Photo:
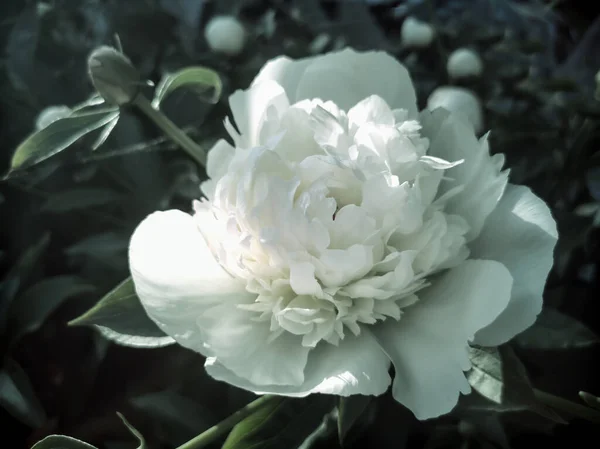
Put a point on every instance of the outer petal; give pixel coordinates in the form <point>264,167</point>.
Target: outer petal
<point>428,346</point>
<point>192,299</point>
<point>356,366</point>
<point>345,77</point>
<point>453,139</point>
<point>219,157</point>
<point>521,234</point>
<point>250,108</point>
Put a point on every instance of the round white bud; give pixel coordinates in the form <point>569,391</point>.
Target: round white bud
<point>416,34</point>
<point>225,34</point>
<point>464,62</point>
<point>458,100</point>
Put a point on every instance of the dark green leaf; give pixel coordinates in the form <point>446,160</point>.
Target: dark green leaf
<point>178,417</point>
<point>121,318</point>
<point>499,376</point>
<point>18,275</point>
<point>100,246</point>
<point>61,442</point>
<point>351,409</point>
<point>17,396</point>
<point>134,431</point>
<point>281,423</point>
<point>58,136</point>
<point>79,198</point>
<point>553,330</point>
<point>30,310</point>
<point>105,133</point>
<point>203,81</point>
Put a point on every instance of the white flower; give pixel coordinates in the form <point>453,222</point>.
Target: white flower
<point>225,34</point>
<point>464,62</point>
<point>458,100</point>
<point>415,33</point>
<point>345,232</point>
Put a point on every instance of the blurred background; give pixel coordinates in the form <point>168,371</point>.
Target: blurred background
<point>65,223</point>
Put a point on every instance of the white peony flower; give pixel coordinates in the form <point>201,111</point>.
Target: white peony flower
<point>344,232</point>
<point>225,34</point>
<point>415,33</point>
<point>458,100</point>
<point>464,62</point>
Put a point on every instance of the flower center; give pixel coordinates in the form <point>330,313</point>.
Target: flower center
<point>346,235</point>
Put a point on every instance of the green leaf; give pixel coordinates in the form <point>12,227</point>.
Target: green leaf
<point>281,423</point>
<point>554,330</point>
<point>32,308</point>
<point>18,275</point>
<point>350,408</point>
<point>499,376</point>
<point>79,198</point>
<point>61,442</point>
<point>17,396</point>
<point>120,317</point>
<point>134,431</point>
<point>175,416</point>
<point>203,81</point>
<point>58,136</point>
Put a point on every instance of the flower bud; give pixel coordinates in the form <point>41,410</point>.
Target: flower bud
<point>225,34</point>
<point>458,100</point>
<point>463,63</point>
<point>415,33</point>
<point>113,75</point>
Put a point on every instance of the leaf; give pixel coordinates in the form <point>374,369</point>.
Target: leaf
<point>120,317</point>
<point>58,136</point>
<point>105,133</point>
<point>99,246</point>
<point>32,308</point>
<point>350,409</point>
<point>61,442</point>
<point>17,396</point>
<point>178,417</point>
<point>79,198</point>
<point>134,431</point>
<point>554,330</point>
<point>199,79</point>
<point>281,423</point>
<point>18,275</point>
<point>498,375</point>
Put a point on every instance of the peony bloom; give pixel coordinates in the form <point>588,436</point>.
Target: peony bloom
<point>344,232</point>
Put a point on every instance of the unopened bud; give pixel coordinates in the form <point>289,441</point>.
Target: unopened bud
<point>463,63</point>
<point>113,75</point>
<point>416,34</point>
<point>225,34</point>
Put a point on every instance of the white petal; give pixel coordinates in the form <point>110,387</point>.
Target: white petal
<point>344,77</point>
<point>453,139</point>
<point>176,277</point>
<point>521,234</point>
<point>219,157</point>
<point>356,366</point>
<point>250,108</point>
<point>428,346</point>
<point>242,344</point>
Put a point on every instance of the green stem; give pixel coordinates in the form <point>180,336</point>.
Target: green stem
<point>171,129</point>
<point>218,430</point>
<point>571,408</point>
